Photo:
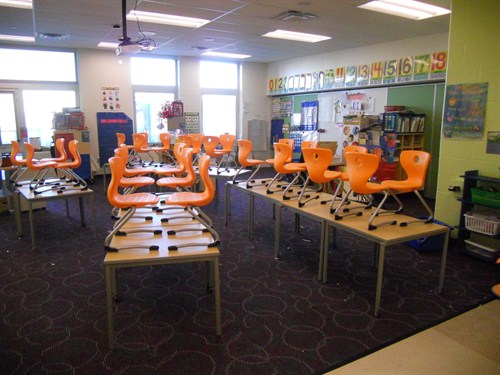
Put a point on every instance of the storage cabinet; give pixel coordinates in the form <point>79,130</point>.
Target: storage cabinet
<point>479,236</point>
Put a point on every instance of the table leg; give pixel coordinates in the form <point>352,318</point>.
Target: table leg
<point>109,305</point>
<point>326,242</point>
<point>250,216</point>
<point>82,212</point>
<point>67,207</point>
<point>321,251</point>
<point>227,205</point>
<point>380,275</point>
<point>32,227</point>
<point>218,327</point>
<point>92,213</point>
<point>277,212</point>
<point>17,214</point>
<point>297,223</point>
<point>443,261</point>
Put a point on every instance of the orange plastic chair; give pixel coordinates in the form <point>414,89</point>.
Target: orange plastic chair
<point>68,166</point>
<point>282,152</point>
<point>20,163</point>
<point>121,141</point>
<point>210,143</point>
<point>177,170</point>
<point>130,181</point>
<point>140,143</point>
<point>317,161</point>
<point>415,163</point>
<point>361,167</point>
<point>288,141</point>
<point>227,142</point>
<point>196,145</point>
<point>345,176</point>
<point>163,151</point>
<point>192,201</point>
<point>186,139</point>
<point>128,203</point>
<point>133,170</point>
<point>185,182</point>
<point>40,167</point>
<point>244,151</point>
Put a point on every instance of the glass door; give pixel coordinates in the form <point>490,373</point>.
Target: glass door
<point>10,117</point>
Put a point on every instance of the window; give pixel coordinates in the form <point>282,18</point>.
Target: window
<point>154,82</point>
<point>220,87</point>
<point>8,130</point>
<point>35,65</point>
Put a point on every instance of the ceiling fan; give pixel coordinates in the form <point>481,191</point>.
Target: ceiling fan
<point>128,46</point>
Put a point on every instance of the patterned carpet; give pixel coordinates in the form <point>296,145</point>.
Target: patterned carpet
<point>277,317</point>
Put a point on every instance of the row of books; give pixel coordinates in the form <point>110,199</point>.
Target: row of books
<point>399,123</point>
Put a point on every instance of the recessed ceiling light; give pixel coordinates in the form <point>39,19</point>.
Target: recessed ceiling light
<point>108,45</point>
<point>18,38</point>
<point>226,55</point>
<point>299,37</point>
<point>166,19</point>
<point>415,10</point>
<point>24,4</point>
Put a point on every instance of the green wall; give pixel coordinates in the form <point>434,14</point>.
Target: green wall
<point>426,99</point>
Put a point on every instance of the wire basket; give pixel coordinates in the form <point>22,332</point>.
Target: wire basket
<point>481,225</point>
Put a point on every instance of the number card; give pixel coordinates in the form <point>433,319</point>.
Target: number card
<point>290,83</point>
<point>321,80</point>
<point>340,77</point>
<point>329,78</point>
<point>272,84</point>
<point>421,67</point>
<point>376,73</point>
<point>350,76</point>
<point>438,65</point>
<point>363,75</point>
<point>405,69</point>
<point>390,71</point>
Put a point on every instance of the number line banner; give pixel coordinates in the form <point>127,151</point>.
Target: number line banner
<point>407,69</point>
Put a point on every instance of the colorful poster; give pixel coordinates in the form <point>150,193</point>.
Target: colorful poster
<point>464,111</point>
<point>350,76</point>
<point>421,67</point>
<point>340,77</point>
<point>376,73</point>
<point>363,75</point>
<point>493,143</point>
<point>405,69</point>
<point>438,65</point>
<point>329,78</point>
<point>390,71</point>
<point>110,98</point>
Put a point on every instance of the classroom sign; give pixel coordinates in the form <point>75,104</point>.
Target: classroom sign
<point>402,70</point>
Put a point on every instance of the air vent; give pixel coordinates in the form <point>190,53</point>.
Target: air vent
<point>293,15</point>
<point>199,48</point>
<point>52,36</point>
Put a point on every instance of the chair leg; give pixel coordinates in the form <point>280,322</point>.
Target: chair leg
<point>428,219</point>
<point>375,213</point>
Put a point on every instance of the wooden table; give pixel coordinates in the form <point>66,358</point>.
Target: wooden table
<point>24,192</point>
<point>358,225</point>
<point>141,256</point>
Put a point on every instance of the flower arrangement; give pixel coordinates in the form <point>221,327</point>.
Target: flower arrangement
<point>166,111</point>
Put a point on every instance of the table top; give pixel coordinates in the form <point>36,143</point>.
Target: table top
<point>163,255</point>
<point>355,224</point>
<point>51,194</point>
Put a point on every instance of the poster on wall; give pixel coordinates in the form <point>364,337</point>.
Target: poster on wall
<point>464,111</point>
<point>493,143</point>
<point>110,98</point>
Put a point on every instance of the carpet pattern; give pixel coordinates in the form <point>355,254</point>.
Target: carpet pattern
<point>277,318</point>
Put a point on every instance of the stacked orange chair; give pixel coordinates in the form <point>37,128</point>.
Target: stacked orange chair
<point>210,143</point>
<point>196,145</point>
<point>179,168</point>
<point>186,181</point>
<point>20,163</point>
<point>244,151</point>
<point>317,161</point>
<point>227,142</point>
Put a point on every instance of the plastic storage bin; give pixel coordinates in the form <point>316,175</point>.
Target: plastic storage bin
<point>481,224</point>
<point>433,243</point>
<point>483,196</point>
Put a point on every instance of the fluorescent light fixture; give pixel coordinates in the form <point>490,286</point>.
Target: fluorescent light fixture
<point>24,4</point>
<point>226,55</point>
<point>415,10</point>
<point>18,38</point>
<point>108,45</point>
<point>299,37</point>
<point>166,19</point>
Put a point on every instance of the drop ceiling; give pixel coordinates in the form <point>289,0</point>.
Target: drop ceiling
<point>235,26</point>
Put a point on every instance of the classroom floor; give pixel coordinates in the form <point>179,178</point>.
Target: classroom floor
<point>466,344</point>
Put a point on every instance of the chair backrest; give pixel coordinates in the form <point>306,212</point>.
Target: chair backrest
<point>178,147</point>
<point>73,150</point>
<point>282,153</point>
<point>186,139</point>
<point>245,148</point>
<point>61,150</point>
<point>415,163</point>
<point>227,141</point>
<point>354,148</point>
<point>291,143</point>
<point>187,162</point>
<point>121,139</point>
<point>308,144</point>
<point>117,168</point>
<point>208,194</point>
<point>13,155</point>
<point>210,143</point>
<point>196,142</point>
<point>317,162</point>
<point>139,141</point>
<point>30,153</point>
<point>165,140</point>
<point>361,166</point>
<point>121,152</point>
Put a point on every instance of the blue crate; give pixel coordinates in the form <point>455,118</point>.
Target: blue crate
<point>433,243</point>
